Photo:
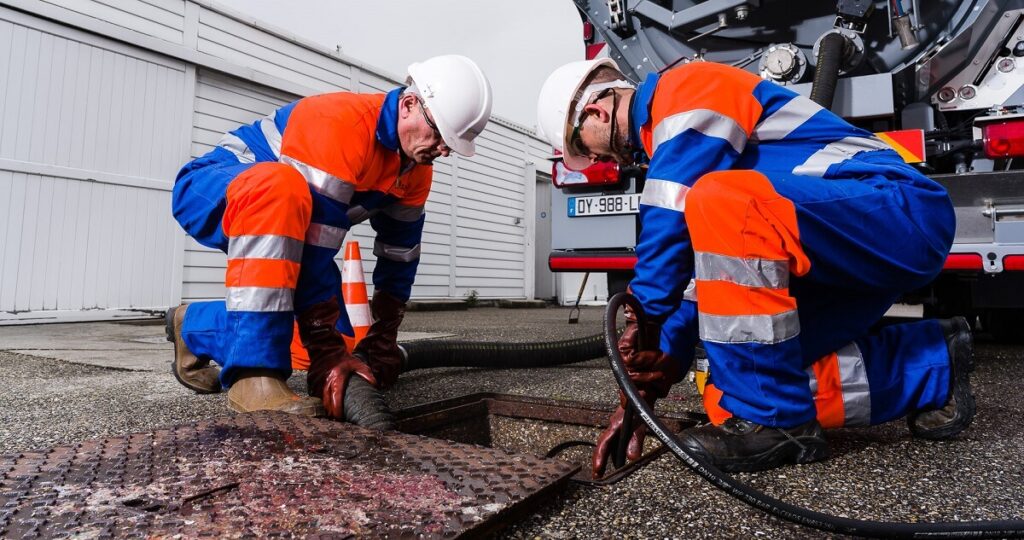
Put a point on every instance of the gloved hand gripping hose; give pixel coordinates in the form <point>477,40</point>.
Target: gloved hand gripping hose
<point>796,514</point>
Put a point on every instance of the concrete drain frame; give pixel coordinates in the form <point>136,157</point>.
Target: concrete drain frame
<point>550,427</point>
<point>270,474</point>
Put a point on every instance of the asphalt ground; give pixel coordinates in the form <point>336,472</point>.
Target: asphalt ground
<point>71,382</point>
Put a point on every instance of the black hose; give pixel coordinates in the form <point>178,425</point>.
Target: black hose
<point>364,406</point>
<point>431,354</point>
<point>796,514</point>
<point>826,72</point>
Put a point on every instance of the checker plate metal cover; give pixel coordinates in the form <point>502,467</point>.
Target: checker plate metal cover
<point>269,474</point>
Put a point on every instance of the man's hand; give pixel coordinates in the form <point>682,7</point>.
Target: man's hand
<point>609,439</point>
<point>653,373</point>
<point>380,346</point>
<point>331,378</point>
<point>636,337</point>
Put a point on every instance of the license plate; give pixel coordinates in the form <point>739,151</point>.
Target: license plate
<point>604,205</point>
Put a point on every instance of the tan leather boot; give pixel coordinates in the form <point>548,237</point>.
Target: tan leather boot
<point>191,371</point>
<point>265,390</point>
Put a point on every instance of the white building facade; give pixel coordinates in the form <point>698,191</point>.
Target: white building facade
<point>101,101</point>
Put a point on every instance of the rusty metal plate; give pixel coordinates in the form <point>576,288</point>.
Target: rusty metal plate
<point>269,474</point>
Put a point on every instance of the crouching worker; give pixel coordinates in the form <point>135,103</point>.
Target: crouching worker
<point>799,231</point>
<point>278,196</point>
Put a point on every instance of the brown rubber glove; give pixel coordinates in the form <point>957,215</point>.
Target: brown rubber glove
<point>634,336</point>
<point>609,438</point>
<point>380,346</point>
<point>652,371</point>
<point>330,364</point>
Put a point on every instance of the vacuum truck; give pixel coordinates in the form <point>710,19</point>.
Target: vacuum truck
<point>941,81</point>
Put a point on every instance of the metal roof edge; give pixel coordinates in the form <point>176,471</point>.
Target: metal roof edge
<point>333,54</point>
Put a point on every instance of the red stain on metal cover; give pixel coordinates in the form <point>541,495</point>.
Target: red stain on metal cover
<point>268,474</point>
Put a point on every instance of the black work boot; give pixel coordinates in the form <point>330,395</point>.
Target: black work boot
<point>740,445</point>
<point>958,412</point>
<point>191,371</point>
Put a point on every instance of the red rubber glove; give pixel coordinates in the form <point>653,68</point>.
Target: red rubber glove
<point>327,380</point>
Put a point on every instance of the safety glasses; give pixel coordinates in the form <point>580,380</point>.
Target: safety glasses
<point>575,141</point>
<point>430,123</point>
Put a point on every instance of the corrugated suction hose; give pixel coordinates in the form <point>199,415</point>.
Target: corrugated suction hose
<point>365,406</point>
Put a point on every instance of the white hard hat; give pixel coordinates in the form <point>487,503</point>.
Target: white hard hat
<point>458,96</point>
<point>554,115</point>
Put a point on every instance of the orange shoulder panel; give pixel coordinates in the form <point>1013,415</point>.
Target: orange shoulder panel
<point>724,89</point>
<point>416,186</point>
<point>333,132</point>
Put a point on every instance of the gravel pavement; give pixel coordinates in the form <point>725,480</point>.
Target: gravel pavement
<point>877,473</point>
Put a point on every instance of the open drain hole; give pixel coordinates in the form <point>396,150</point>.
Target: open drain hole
<point>563,430</point>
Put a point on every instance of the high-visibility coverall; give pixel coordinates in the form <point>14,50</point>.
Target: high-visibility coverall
<point>799,231</point>
<point>278,196</point>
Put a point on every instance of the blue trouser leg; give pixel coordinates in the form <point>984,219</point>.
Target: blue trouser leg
<point>867,241</point>
<point>235,339</point>
<point>908,369</point>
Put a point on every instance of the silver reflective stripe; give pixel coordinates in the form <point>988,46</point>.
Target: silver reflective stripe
<point>402,212</point>
<point>856,389</point>
<point>359,315</point>
<point>783,121</point>
<point>259,299</point>
<point>768,273</point>
<point>813,380</point>
<point>236,146</point>
<point>271,133</point>
<point>396,253</point>
<point>705,121</point>
<point>691,291</point>
<point>664,194</point>
<point>323,183</point>
<point>766,329</point>
<point>325,236</point>
<point>358,214</point>
<point>837,152</point>
<point>265,247</point>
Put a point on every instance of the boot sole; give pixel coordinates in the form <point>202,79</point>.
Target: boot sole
<point>313,411</point>
<point>169,331</point>
<point>814,449</point>
<point>962,392</point>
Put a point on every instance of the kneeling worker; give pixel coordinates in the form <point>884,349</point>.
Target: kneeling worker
<point>279,195</point>
<point>799,230</point>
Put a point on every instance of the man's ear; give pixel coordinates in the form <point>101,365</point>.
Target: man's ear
<point>597,110</point>
<point>406,104</point>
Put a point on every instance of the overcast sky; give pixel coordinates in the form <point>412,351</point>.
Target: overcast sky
<point>516,42</point>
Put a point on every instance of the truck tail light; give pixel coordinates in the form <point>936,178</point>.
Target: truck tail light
<point>1003,139</point>
<point>598,174</point>
<point>1013,262</point>
<point>963,261</point>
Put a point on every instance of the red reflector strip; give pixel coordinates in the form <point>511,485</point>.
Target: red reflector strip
<point>591,263</point>
<point>1013,262</point>
<point>963,261</point>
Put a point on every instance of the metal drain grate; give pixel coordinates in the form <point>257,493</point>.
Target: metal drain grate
<point>269,474</point>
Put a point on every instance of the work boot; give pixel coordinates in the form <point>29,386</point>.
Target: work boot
<point>958,412</point>
<point>266,390</point>
<point>740,445</point>
<point>191,371</point>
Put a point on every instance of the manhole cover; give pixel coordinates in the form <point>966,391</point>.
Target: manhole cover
<point>269,474</point>
<point>532,425</point>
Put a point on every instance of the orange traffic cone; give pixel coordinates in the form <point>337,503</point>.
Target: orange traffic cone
<point>357,305</point>
<point>353,290</point>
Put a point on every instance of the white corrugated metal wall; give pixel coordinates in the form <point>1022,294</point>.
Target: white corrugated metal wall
<point>102,101</point>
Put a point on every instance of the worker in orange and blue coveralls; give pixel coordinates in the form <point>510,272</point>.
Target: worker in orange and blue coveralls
<point>278,196</point>
<point>799,231</point>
